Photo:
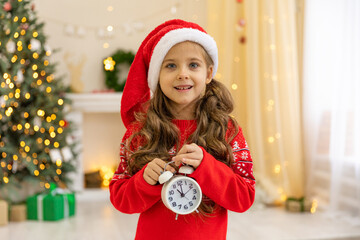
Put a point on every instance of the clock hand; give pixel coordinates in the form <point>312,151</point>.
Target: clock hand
<point>187,191</point>
<point>181,194</point>
<point>181,189</point>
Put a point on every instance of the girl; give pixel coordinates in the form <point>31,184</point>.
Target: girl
<point>174,110</point>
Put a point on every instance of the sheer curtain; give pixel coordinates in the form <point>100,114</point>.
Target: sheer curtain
<point>331,106</point>
<point>263,75</point>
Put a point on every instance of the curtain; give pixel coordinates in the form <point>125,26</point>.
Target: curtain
<point>331,93</point>
<point>260,65</point>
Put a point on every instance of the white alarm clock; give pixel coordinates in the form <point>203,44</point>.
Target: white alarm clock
<point>181,194</point>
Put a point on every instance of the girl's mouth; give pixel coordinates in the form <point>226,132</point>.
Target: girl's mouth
<point>183,87</point>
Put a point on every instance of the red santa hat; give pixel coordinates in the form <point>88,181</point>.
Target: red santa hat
<point>144,72</point>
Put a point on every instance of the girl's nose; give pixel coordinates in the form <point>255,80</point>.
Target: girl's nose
<point>182,75</point>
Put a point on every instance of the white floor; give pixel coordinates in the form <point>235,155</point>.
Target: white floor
<point>97,219</point>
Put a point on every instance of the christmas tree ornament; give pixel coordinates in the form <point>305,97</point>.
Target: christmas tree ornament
<point>7,7</point>
<point>180,193</point>
<point>35,45</point>
<point>10,46</point>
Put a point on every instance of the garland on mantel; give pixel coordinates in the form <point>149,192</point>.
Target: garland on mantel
<point>112,71</point>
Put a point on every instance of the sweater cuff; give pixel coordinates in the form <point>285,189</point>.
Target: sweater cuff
<point>142,185</point>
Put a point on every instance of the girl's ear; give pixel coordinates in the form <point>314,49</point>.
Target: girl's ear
<point>209,74</point>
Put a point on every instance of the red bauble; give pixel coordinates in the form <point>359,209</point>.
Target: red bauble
<point>239,1</point>
<point>65,123</point>
<point>7,7</point>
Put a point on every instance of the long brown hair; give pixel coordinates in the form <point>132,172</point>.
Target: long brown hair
<point>158,134</point>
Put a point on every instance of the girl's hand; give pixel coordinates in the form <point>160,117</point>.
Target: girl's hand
<point>190,154</point>
<point>154,169</point>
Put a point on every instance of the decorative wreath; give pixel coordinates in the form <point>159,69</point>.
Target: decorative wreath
<point>111,70</point>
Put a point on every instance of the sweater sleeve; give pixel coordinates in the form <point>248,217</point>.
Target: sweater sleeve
<point>232,188</point>
<point>131,194</point>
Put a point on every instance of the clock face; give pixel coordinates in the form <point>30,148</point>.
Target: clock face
<point>182,195</point>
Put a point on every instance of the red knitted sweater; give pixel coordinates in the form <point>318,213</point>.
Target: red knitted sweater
<point>230,188</point>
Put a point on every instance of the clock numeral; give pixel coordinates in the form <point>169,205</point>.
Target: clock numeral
<point>179,206</point>
<point>190,185</point>
<point>191,204</point>
<point>174,204</point>
<point>179,183</point>
<point>185,182</point>
<point>186,207</point>
<point>170,199</point>
<point>194,198</point>
<point>195,191</point>
<point>171,192</point>
<point>174,186</point>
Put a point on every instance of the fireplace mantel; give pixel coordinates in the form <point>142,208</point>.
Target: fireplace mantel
<point>96,102</point>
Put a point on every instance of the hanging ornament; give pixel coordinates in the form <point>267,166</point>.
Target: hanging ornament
<point>239,1</point>
<point>11,46</point>
<point>81,32</point>
<point>55,155</point>
<point>66,151</point>
<point>35,44</point>
<point>20,76</point>
<point>33,7</point>
<point>37,121</point>
<point>139,26</point>
<point>7,6</point>
<point>24,26</point>
<point>69,30</point>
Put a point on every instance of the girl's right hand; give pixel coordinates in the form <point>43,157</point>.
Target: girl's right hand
<point>154,169</point>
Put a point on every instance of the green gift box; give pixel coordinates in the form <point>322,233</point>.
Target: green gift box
<point>53,206</point>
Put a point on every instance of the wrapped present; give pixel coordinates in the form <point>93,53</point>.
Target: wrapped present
<point>4,212</point>
<point>53,206</point>
<point>18,213</point>
<point>298,204</point>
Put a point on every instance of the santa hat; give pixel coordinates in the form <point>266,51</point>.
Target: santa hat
<point>144,72</point>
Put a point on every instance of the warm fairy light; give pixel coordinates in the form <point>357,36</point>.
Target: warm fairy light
<point>53,134</point>
<point>48,89</point>
<point>46,62</point>
<point>47,185</point>
<point>60,102</point>
<point>58,162</point>
<point>61,123</point>
<point>236,59</point>
<point>38,82</point>
<point>36,128</point>
<point>23,19</point>
<point>48,119</point>
<point>60,130</point>
<point>106,45</point>
<point>27,95</point>
<point>22,61</point>
<point>15,157</point>
<point>14,58</point>
<point>277,168</point>
<point>109,64</point>
<point>234,86</point>
<point>36,172</point>
<point>110,8</point>
<point>34,67</point>
<point>16,35</point>
<point>314,206</point>
<point>35,34</point>
<point>36,162</point>
<point>42,166</point>
<point>271,139</point>
<point>27,149</point>
<point>41,113</point>
<point>6,180</point>
<point>35,75</point>
<point>110,28</point>
<point>58,171</point>
<point>56,145</point>
<point>19,127</point>
<point>106,174</point>
<point>5,76</point>
<point>27,125</point>
<point>35,55</point>
<point>22,144</point>
<point>272,47</point>
<point>22,32</point>
<point>26,115</point>
<point>47,142</point>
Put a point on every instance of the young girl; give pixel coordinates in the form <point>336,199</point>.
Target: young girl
<point>174,110</point>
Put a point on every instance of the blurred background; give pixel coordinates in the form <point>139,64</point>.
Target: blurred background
<point>292,66</point>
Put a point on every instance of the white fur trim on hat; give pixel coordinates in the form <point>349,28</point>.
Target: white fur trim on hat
<point>172,38</point>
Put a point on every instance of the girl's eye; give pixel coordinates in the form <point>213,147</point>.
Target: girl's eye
<point>170,65</point>
<point>194,65</point>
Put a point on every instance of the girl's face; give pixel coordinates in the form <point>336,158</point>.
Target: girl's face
<point>183,77</point>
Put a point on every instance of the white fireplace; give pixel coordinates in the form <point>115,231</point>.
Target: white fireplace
<point>99,131</point>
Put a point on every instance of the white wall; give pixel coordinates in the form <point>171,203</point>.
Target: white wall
<point>82,51</point>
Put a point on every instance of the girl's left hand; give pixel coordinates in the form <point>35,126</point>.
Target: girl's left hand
<point>190,154</point>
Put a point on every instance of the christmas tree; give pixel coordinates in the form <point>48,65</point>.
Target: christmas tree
<point>35,139</point>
